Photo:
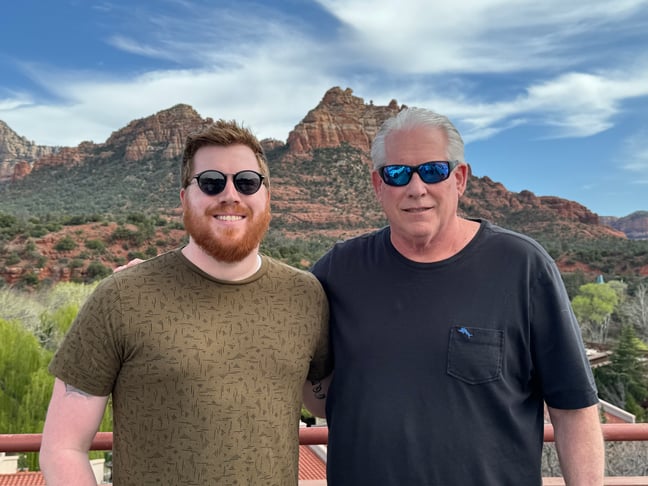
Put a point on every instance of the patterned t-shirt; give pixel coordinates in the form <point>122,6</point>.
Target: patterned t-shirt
<point>205,375</point>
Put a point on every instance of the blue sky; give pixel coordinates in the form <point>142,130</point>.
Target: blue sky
<point>550,96</point>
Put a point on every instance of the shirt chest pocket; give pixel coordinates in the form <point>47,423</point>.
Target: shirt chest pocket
<point>475,355</point>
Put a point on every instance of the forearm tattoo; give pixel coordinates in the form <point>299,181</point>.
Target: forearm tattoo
<point>317,390</point>
<point>69,389</point>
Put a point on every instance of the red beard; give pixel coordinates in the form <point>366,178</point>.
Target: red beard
<point>223,245</point>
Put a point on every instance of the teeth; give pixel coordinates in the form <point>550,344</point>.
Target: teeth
<point>229,218</point>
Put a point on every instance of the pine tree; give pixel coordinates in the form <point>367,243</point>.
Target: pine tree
<point>624,381</point>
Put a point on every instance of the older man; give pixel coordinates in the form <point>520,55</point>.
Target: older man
<point>449,335</point>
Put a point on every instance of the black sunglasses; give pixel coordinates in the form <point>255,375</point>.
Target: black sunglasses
<point>429,172</point>
<point>213,182</point>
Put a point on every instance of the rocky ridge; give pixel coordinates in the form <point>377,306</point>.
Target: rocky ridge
<point>339,118</point>
<point>634,225</point>
<point>305,197</point>
<point>17,154</point>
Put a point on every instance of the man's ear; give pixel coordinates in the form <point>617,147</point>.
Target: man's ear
<point>377,183</point>
<point>461,177</point>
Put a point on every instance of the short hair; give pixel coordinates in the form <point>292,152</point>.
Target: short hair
<point>414,117</point>
<point>221,133</point>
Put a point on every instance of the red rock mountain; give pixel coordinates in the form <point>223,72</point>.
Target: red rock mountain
<point>17,154</point>
<point>162,134</point>
<point>339,118</point>
<point>634,225</point>
<point>307,196</point>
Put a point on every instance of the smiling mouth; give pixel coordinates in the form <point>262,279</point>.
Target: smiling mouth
<point>229,217</point>
<point>415,210</point>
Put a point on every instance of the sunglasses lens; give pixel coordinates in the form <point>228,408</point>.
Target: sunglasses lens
<point>396,175</point>
<point>247,182</point>
<point>211,182</point>
<point>432,172</point>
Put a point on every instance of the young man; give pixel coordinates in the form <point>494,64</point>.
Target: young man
<point>449,335</point>
<point>204,349</point>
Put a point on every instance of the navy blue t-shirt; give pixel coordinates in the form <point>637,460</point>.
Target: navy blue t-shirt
<point>442,369</point>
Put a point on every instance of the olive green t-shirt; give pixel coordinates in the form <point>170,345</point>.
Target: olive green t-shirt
<point>206,376</point>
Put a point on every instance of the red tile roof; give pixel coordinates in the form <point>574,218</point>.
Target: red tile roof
<point>22,479</point>
<point>310,465</point>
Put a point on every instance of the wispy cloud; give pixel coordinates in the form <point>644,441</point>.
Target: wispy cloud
<point>267,66</point>
<point>14,101</point>
<point>635,155</point>
<point>133,47</point>
<point>481,36</point>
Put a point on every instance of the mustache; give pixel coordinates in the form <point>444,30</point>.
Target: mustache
<point>229,207</point>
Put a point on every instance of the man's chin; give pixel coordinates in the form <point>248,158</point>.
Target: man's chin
<point>232,252</point>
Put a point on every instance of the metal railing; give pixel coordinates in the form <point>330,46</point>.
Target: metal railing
<point>319,435</point>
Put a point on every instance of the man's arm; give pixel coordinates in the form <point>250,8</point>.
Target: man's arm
<point>73,418</point>
<point>314,395</point>
<point>580,446</point>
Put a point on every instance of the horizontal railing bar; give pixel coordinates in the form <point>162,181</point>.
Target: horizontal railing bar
<point>612,432</point>
<point>310,436</point>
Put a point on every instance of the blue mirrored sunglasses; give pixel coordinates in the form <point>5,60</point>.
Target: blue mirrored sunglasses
<point>429,172</point>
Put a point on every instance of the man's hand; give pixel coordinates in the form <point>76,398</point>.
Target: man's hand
<point>132,263</point>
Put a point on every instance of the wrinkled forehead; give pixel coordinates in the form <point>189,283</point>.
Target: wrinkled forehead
<point>413,146</point>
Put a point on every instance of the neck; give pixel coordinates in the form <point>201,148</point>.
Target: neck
<point>447,242</point>
<point>232,271</point>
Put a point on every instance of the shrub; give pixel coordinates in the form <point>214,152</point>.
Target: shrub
<point>97,271</point>
<point>76,263</point>
<point>95,245</point>
<point>12,259</point>
<point>65,244</point>
<point>29,279</point>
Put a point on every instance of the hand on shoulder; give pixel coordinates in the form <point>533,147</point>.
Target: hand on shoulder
<point>131,263</point>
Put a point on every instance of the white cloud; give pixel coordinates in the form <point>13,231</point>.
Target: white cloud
<point>569,105</point>
<point>476,36</point>
<point>130,45</point>
<point>268,84</point>
<point>14,102</point>
<point>635,155</point>
<point>253,90</point>
<point>263,68</point>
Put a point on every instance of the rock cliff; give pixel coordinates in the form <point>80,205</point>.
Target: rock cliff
<point>487,199</point>
<point>17,154</point>
<point>162,134</point>
<point>339,118</point>
<point>634,225</point>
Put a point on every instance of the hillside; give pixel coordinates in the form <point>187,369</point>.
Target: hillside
<point>111,201</point>
<point>634,225</point>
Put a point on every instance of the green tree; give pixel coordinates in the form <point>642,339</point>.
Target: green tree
<point>20,307</point>
<point>25,385</point>
<point>624,382</point>
<point>637,309</point>
<point>593,307</point>
<point>55,324</point>
<point>25,353</point>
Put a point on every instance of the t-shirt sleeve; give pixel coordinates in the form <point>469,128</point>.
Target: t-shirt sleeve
<point>89,356</point>
<point>559,352</point>
<point>321,364</point>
